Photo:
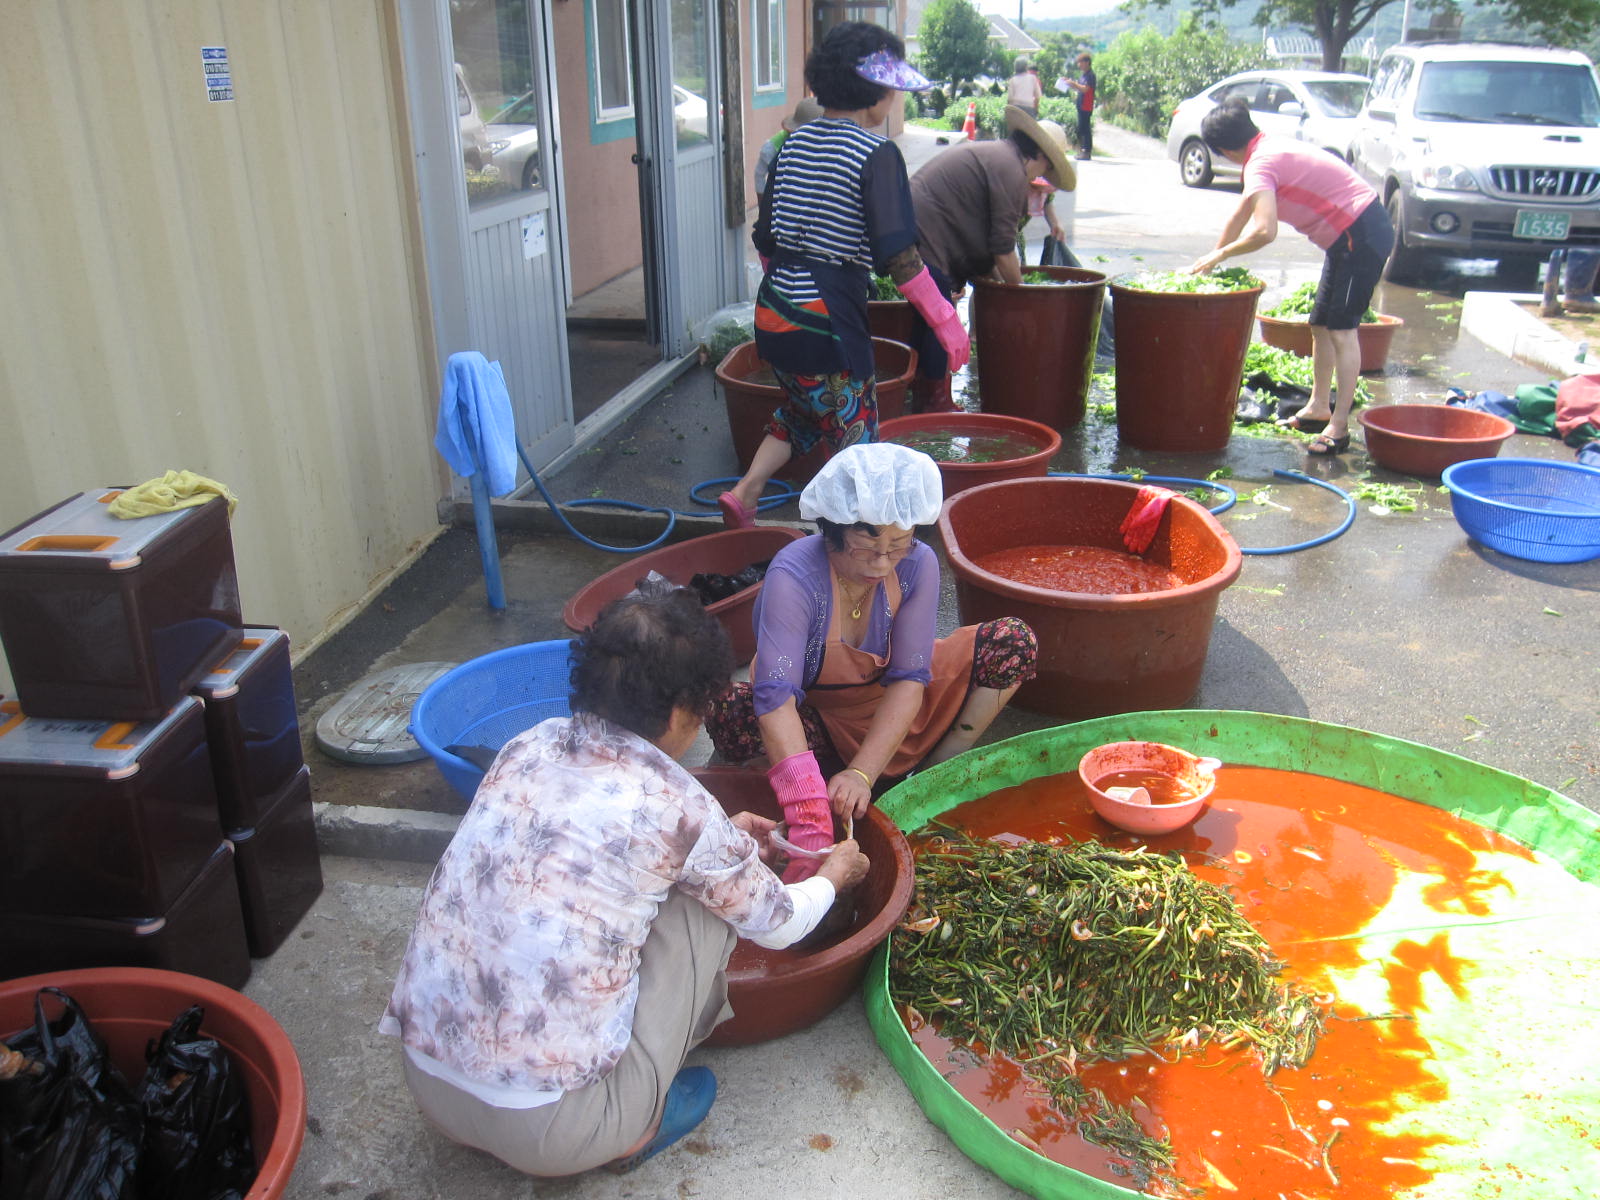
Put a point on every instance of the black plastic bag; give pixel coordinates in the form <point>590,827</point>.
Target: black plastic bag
<point>197,1121</point>
<point>69,1126</point>
<point>1264,398</point>
<point>1054,253</point>
<point>712,587</point>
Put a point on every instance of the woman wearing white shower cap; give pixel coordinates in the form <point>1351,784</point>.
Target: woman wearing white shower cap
<point>848,673</point>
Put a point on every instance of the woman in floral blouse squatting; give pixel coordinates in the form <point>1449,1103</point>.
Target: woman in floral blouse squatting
<point>572,942</point>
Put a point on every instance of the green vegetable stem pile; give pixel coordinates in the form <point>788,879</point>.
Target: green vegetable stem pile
<point>1287,367</point>
<point>883,288</point>
<point>1228,279</point>
<point>1296,306</point>
<point>1055,954</point>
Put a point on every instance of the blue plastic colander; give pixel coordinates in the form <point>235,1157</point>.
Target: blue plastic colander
<point>488,701</point>
<point>1528,507</point>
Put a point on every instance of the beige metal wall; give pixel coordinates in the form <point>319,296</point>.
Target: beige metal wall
<point>230,288</point>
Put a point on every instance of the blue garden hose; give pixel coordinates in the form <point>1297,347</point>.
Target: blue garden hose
<point>1231,498</point>
<point>1349,516</point>
<point>773,499</point>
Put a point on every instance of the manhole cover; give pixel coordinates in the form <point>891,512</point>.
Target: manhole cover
<point>368,723</point>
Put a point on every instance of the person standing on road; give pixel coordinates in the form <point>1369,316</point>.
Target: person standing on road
<point>1024,89</point>
<point>1084,86</point>
<point>970,202</point>
<point>837,206</point>
<point>1333,206</point>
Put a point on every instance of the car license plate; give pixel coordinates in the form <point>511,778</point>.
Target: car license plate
<point>1549,226</point>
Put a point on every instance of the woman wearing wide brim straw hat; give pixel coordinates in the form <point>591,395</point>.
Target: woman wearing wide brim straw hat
<point>970,201</point>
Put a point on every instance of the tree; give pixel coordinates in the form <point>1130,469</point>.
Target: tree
<point>1143,75</point>
<point>1335,22</point>
<point>955,40</point>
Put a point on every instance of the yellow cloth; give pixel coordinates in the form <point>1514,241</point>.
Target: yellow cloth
<point>175,489</point>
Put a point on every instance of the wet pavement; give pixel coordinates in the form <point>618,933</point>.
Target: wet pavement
<point>1402,626</point>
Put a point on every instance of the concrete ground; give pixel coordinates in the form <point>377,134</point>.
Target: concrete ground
<point>1401,626</point>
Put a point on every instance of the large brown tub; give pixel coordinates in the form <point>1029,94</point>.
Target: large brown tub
<point>774,992</point>
<point>1098,654</point>
<point>726,552</point>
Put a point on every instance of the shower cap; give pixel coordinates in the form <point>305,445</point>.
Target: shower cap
<point>880,483</point>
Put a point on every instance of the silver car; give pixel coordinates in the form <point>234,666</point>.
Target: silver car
<point>1319,107</point>
<point>1482,151</point>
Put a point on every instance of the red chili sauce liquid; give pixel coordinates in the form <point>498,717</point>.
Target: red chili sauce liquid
<point>1092,569</point>
<point>1309,860</point>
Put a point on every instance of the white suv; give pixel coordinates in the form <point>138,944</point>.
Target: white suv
<point>1482,151</point>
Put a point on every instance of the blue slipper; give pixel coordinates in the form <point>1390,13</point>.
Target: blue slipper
<point>689,1099</point>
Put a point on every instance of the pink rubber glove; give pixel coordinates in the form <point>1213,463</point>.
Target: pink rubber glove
<point>938,312</point>
<point>798,784</point>
<point>1138,528</point>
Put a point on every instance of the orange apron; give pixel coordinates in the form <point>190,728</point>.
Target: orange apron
<point>848,688</point>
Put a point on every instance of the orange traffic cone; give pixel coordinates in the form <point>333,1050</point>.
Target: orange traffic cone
<point>969,127</point>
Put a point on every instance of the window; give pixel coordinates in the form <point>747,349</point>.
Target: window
<point>612,64</point>
<point>768,51</point>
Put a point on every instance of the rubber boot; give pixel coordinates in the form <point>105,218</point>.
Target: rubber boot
<point>933,396</point>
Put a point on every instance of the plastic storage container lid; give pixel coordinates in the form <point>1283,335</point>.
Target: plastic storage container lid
<point>80,533</point>
<point>110,749</point>
<point>223,680</point>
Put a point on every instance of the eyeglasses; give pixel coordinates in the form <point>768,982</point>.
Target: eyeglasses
<point>873,554</point>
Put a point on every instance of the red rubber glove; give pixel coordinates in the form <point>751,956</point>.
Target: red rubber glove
<point>938,312</point>
<point>1138,528</point>
<point>797,782</point>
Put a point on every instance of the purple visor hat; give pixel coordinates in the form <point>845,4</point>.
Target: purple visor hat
<point>884,68</point>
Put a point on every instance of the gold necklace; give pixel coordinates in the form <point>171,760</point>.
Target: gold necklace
<point>859,601</point>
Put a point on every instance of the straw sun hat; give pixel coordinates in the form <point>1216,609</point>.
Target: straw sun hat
<point>1050,138</point>
<point>805,112</point>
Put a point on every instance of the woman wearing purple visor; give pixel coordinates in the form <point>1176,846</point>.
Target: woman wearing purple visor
<point>837,207</point>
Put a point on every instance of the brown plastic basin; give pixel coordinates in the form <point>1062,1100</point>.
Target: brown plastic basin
<point>1424,439</point>
<point>774,992</point>
<point>892,319</point>
<point>1180,360</point>
<point>725,553</point>
<point>959,476</point>
<point>750,402</point>
<point>1373,337</point>
<point>1098,654</point>
<point>1035,344</point>
<point>130,1006</point>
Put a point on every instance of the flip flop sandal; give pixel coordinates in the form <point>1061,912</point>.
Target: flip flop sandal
<point>734,514</point>
<point>1303,424</point>
<point>1324,446</point>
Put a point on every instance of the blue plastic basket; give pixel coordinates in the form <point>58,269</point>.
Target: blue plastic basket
<point>1528,507</point>
<point>487,702</point>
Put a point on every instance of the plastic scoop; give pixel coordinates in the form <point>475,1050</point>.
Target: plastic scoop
<point>1138,528</point>
<point>1129,795</point>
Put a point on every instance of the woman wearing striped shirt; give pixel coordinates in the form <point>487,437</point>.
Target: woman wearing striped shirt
<point>837,206</point>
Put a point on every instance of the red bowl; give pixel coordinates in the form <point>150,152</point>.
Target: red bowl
<point>130,1006</point>
<point>1424,439</point>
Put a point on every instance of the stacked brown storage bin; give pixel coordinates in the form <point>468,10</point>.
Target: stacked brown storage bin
<point>112,852</point>
<point>102,617</point>
<point>263,786</point>
<point>111,841</point>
